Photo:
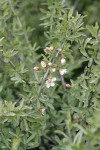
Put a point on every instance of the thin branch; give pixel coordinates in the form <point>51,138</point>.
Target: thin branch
<point>8,33</point>
<point>21,26</point>
<point>62,81</point>
<point>10,62</point>
<point>43,80</point>
<point>62,78</point>
<point>75,4</point>
<point>26,38</point>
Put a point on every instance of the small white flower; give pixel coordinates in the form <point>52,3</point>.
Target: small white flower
<point>43,64</point>
<point>53,70</point>
<point>63,71</point>
<point>49,64</point>
<point>63,61</point>
<point>54,79</point>
<point>51,48</point>
<point>36,68</point>
<point>50,82</point>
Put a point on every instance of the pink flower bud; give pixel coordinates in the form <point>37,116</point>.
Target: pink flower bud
<point>49,64</point>
<point>36,68</point>
<point>59,50</point>
<point>68,85</point>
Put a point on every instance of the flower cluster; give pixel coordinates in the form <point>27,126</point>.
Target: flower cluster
<point>53,65</point>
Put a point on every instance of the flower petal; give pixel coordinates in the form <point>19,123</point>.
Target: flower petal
<point>52,84</point>
<point>54,79</point>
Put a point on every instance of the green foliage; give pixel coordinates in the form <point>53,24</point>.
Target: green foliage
<point>66,115</point>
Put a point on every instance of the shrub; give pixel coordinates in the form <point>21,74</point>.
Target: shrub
<point>43,102</point>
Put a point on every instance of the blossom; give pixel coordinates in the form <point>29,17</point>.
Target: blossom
<point>36,68</point>
<point>53,70</point>
<point>59,50</point>
<point>63,61</point>
<point>43,64</point>
<point>51,48</point>
<point>50,82</point>
<point>50,63</point>
<point>68,85</point>
<point>63,71</point>
<point>48,49</point>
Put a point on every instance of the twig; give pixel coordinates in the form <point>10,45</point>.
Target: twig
<point>8,33</point>
<point>62,81</point>
<point>42,83</point>
<point>75,4</point>
<point>26,38</point>
<point>61,77</point>
<point>21,26</point>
